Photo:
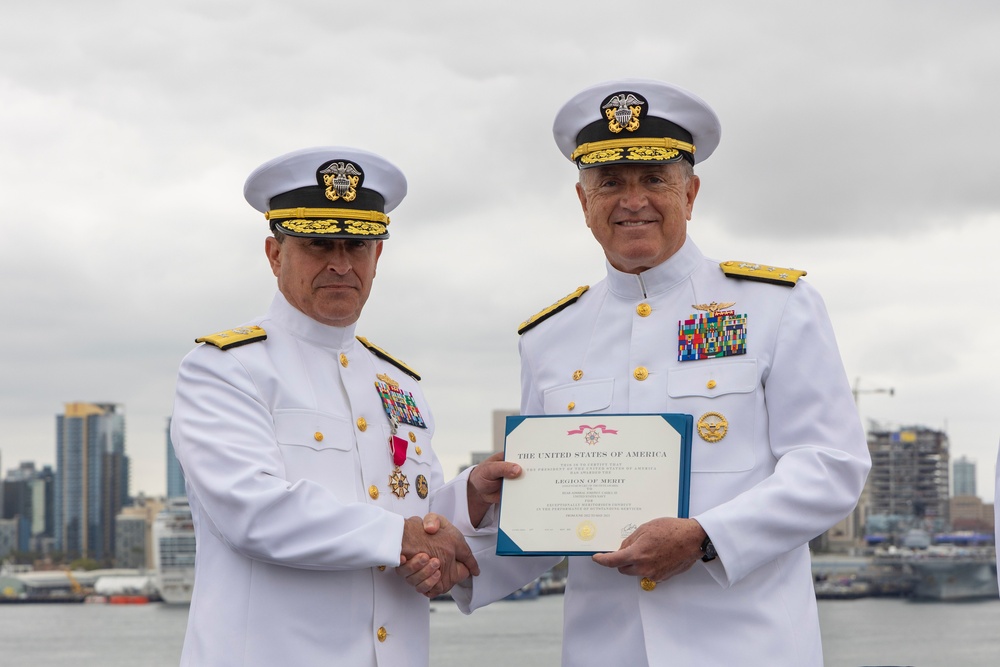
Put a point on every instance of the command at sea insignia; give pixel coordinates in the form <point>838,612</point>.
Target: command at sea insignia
<point>234,337</point>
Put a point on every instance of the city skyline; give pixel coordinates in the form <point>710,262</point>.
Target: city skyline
<point>962,477</point>
<point>856,150</point>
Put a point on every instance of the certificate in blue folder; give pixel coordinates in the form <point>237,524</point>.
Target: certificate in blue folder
<point>589,481</point>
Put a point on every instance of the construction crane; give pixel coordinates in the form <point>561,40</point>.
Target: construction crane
<point>856,391</point>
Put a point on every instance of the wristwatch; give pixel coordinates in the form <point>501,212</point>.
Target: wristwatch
<point>708,549</point>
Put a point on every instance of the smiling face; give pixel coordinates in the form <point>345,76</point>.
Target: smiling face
<point>327,279</point>
<point>638,213</point>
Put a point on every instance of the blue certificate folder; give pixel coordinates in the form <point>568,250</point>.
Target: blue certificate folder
<point>590,480</point>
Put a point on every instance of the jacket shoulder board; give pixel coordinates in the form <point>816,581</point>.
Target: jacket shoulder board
<point>234,337</point>
<point>382,354</point>
<point>762,273</point>
<point>559,305</point>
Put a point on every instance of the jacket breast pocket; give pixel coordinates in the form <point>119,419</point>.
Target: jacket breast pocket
<point>318,448</point>
<point>579,397</point>
<point>722,398</point>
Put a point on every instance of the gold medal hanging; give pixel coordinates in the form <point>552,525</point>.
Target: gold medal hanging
<point>398,483</point>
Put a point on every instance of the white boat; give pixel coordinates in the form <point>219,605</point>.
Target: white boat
<point>173,550</point>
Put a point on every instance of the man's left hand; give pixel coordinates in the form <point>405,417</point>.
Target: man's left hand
<point>658,549</point>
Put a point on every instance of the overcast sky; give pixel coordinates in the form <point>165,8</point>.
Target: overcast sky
<point>859,143</point>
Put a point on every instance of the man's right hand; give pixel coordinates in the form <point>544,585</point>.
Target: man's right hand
<point>435,555</point>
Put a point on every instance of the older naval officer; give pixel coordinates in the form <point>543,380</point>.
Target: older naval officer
<point>307,449</point>
<point>746,348</point>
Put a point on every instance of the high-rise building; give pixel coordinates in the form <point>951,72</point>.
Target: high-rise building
<point>963,477</point>
<point>43,520</point>
<point>175,476</point>
<point>131,536</point>
<point>145,509</point>
<point>908,482</point>
<point>9,536</point>
<point>17,492</point>
<point>27,496</point>
<point>16,500</point>
<point>91,478</point>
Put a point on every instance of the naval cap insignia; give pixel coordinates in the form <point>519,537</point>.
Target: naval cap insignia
<point>342,179</point>
<point>623,110</point>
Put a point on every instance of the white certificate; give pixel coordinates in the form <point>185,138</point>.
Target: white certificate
<point>590,481</point>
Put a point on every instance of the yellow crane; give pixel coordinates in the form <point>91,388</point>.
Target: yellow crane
<point>74,585</point>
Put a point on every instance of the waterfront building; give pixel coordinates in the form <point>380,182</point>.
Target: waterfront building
<point>9,534</point>
<point>27,497</point>
<point>42,489</point>
<point>908,483</point>
<point>143,510</point>
<point>131,537</point>
<point>175,476</point>
<point>17,493</point>
<point>963,477</point>
<point>91,478</point>
<point>970,513</point>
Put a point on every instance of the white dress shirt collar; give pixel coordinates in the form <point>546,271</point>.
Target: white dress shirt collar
<point>658,279</point>
<point>303,327</point>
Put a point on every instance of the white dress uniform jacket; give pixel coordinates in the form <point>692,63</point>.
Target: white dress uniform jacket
<point>996,510</point>
<point>280,442</point>
<point>792,464</point>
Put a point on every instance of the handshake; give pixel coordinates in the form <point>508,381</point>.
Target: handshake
<point>434,554</point>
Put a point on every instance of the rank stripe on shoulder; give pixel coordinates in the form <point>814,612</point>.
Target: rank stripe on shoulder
<point>231,338</point>
<point>761,273</point>
<point>559,305</point>
<point>382,354</point>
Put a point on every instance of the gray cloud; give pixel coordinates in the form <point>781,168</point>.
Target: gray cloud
<point>857,144</point>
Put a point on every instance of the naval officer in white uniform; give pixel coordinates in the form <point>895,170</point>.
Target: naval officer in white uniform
<point>307,450</point>
<point>779,453</point>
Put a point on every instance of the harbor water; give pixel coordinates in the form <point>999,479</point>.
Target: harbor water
<point>527,633</point>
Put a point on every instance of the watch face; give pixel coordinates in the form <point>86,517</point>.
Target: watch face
<point>709,550</point>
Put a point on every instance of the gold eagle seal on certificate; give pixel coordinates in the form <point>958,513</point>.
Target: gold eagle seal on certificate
<point>586,531</point>
<point>712,427</point>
